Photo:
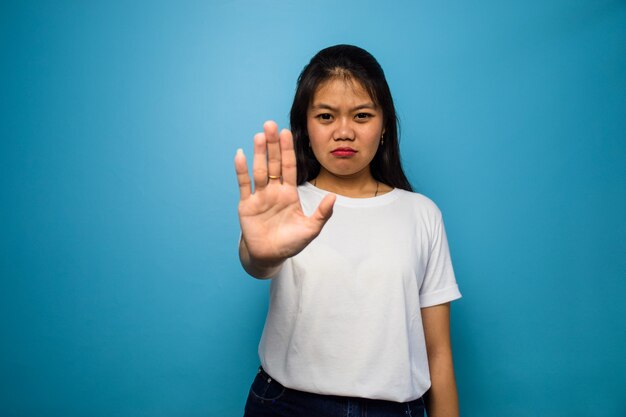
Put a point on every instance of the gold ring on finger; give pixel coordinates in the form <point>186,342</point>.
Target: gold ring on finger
<point>273,177</point>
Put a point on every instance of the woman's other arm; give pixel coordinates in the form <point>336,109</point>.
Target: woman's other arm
<point>442,399</point>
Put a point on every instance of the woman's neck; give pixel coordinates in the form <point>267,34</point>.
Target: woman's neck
<point>357,186</point>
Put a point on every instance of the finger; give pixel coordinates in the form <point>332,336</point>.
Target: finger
<point>241,167</point>
<point>273,148</point>
<point>323,212</point>
<point>259,165</point>
<point>288,158</point>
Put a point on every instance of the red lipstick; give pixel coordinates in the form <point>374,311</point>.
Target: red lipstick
<point>343,152</point>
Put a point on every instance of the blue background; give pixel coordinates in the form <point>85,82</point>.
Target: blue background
<point>121,292</point>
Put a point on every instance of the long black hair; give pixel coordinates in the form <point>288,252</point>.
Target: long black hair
<point>347,61</point>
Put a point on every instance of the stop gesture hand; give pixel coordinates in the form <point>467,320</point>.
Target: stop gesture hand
<point>273,224</point>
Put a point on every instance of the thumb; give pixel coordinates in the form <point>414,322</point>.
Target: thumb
<point>323,212</point>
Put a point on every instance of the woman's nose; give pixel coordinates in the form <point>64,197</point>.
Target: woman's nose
<point>344,130</point>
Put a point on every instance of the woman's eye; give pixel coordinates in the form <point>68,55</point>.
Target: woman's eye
<point>324,116</point>
<point>363,116</point>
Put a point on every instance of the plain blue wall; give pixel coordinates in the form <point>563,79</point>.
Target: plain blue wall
<point>121,292</point>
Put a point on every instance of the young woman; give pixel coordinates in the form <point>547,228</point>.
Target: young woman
<point>359,316</point>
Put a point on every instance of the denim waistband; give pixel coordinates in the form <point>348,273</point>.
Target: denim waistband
<point>268,378</point>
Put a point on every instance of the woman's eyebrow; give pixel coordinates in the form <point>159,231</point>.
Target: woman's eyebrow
<point>319,106</point>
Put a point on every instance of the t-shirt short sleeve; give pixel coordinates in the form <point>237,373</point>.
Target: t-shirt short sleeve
<point>439,285</point>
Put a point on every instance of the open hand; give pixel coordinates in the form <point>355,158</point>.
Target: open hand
<point>273,224</point>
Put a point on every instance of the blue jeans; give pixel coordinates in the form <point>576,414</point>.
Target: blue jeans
<point>268,398</point>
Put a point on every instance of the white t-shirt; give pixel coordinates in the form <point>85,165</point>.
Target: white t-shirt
<point>344,316</point>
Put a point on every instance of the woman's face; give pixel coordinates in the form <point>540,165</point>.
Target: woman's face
<point>345,127</point>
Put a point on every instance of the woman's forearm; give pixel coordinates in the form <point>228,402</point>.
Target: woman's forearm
<point>442,398</point>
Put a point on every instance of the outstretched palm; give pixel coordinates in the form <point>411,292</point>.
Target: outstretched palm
<point>273,225</point>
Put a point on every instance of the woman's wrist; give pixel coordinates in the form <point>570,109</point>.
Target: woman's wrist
<point>258,268</point>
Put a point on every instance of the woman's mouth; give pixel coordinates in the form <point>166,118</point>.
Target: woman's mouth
<point>343,152</point>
